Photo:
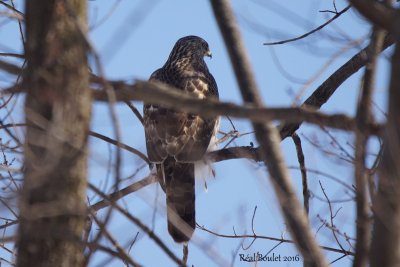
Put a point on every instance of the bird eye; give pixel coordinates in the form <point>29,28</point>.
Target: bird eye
<point>205,46</point>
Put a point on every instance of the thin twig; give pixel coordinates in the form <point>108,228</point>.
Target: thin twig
<point>235,236</point>
<point>332,216</point>
<point>311,32</point>
<point>120,145</point>
<point>323,93</point>
<point>121,252</point>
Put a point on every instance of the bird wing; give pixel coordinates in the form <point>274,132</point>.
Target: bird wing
<point>181,135</point>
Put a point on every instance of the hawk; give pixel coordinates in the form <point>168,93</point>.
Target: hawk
<point>176,140</point>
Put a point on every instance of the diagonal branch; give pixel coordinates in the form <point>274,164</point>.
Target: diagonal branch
<point>123,192</point>
<point>139,223</point>
<point>338,14</point>
<point>322,94</point>
<point>267,136</point>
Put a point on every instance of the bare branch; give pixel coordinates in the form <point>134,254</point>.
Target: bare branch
<point>120,145</point>
<point>161,94</point>
<point>337,14</point>
<point>236,236</point>
<point>363,117</point>
<point>123,192</point>
<point>380,14</point>
<point>322,94</point>
<point>121,252</point>
<point>332,216</point>
<point>386,206</point>
<point>10,68</point>
<point>141,225</point>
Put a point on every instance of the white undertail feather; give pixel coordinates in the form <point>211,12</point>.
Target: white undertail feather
<point>204,168</point>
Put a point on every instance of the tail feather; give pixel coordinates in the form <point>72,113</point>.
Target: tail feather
<point>180,191</point>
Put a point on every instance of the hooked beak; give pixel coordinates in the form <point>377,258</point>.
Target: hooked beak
<point>209,54</point>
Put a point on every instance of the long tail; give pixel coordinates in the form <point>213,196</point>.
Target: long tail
<point>180,191</point>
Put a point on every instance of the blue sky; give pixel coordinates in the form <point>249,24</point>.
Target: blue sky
<point>135,39</point>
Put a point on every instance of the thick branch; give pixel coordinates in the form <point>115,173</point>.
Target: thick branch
<point>386,235</point>
<point>123,192</point>
<point>10,68</point>
<point>380,15</point>
<point>322,94</point>
<point>161,94</point>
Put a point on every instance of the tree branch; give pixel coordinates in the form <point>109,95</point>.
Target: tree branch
<point>161,94</point>
<point>380,14</point>
<point>338,14</point>
<point>386,206</point>
<point>123,192</point>
<point>141,225</point>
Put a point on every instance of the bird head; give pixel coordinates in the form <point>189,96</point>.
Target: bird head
<point>191,47</point>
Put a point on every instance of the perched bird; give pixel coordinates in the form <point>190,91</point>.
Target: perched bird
<point>176,140</point>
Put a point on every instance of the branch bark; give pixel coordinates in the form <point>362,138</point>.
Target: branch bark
<point>57,108</point>
<point>161,94</point>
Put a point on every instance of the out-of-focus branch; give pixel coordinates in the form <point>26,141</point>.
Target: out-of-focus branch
<point>380,14</point>
<point>267,136</point>
<point>122,254</point>
<point>386,205</point>
<point>123,192</point>
<point>10,68</point>
<point>213,108</point>
<point>13,9</point>
<point>319,97</point>
<point>120,145</point>
<point>139,223</point>
<point>161,94</point>
<point>363,117</point>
